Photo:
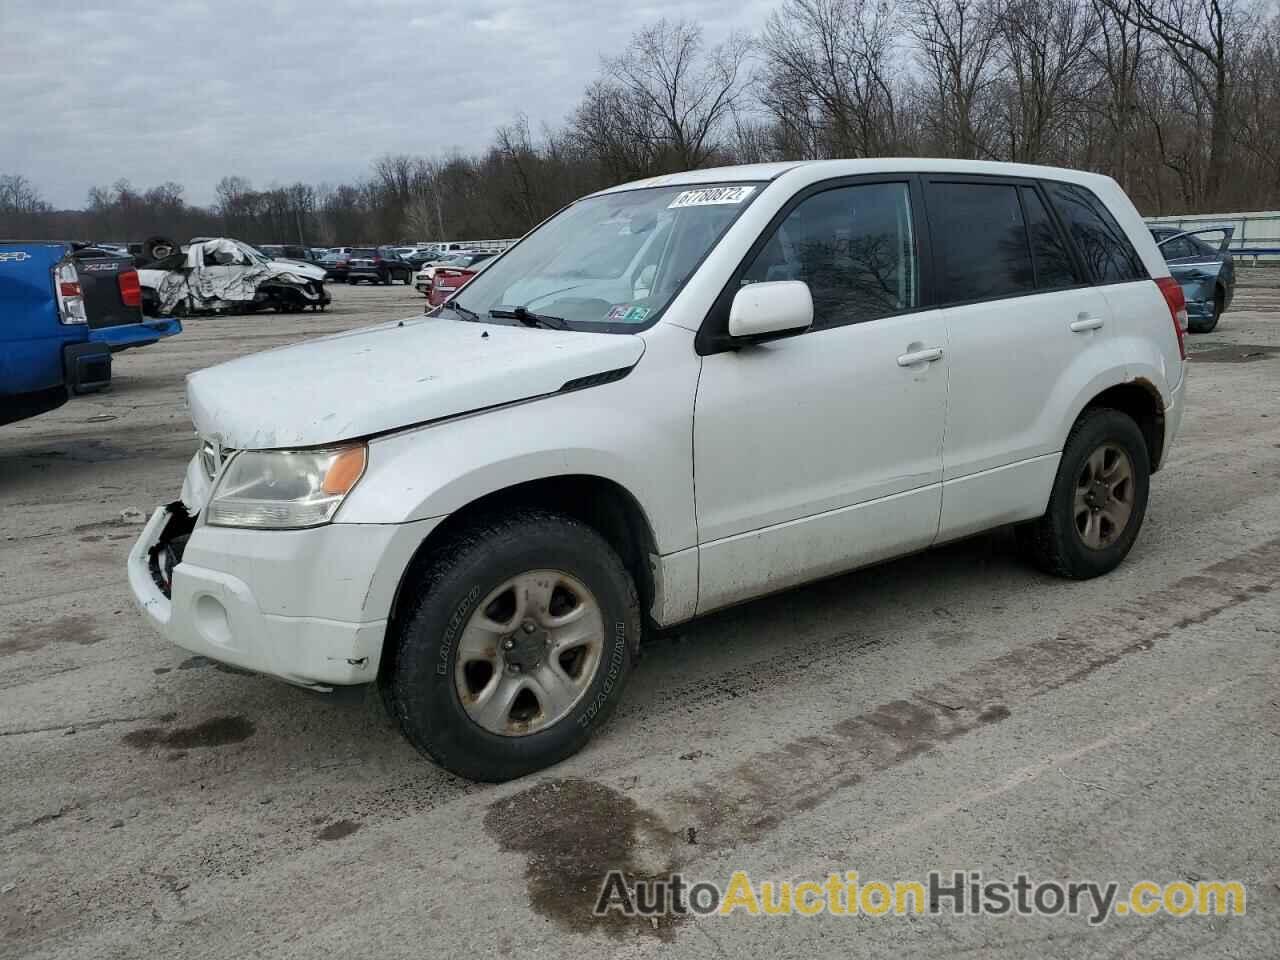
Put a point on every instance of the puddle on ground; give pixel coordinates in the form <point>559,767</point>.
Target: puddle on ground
<point>572,833</point>
<point>215,732</point>
<point>338,830</point>
<point>1232,353</point>
<point>76,628</point>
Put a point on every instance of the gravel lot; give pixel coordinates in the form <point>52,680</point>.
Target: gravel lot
<point>953,710</point>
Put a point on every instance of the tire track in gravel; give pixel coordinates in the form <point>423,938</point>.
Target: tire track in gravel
<point>751,799</point>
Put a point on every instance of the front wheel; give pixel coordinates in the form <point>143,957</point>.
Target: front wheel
<point>517,644</point>
<point>1098,501</point>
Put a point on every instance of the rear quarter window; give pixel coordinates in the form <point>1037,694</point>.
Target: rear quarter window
<point>1103,245</point>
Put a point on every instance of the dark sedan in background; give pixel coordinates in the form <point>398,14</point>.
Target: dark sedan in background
<point>377,265</point>
<point>1205,272</point>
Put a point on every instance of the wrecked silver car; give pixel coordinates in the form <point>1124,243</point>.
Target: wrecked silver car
<point>228,276</point>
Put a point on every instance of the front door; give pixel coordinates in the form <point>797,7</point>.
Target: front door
<point>817,453</point>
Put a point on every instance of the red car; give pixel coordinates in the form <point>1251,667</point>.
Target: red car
<point>448,281</point>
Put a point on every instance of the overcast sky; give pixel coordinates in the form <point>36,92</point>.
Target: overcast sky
<point>283,90</point>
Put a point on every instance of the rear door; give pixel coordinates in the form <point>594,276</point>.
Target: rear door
<point>1025,329</point>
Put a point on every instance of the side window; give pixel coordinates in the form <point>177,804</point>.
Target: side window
<point>1199,248</point>
<point>1054,267</point>
<point>1178,248</point>
<point>855,249</point>
<point>1103,245</point>
<point>979,241</point>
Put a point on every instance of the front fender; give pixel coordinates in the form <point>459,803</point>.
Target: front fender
<point>635,432</point>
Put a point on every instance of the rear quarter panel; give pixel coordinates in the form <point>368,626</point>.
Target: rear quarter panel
<point>31,337</point>
<point>1145,335</point>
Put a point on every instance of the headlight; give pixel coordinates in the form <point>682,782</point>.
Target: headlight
<point>286,489</point>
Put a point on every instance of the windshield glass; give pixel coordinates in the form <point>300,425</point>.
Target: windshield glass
<point>253,253</point>
<point>610,262</point>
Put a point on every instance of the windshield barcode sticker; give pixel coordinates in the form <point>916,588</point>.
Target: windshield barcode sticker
<point>711,195</point>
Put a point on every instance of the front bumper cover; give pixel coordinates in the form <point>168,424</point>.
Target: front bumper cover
<point>306,606</point>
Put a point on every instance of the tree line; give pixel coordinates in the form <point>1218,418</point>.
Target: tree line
<point>1179,100</point>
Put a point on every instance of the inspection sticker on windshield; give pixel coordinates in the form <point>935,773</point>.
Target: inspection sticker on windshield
<point>710,196</point>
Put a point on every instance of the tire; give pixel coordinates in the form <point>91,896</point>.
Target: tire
<point>159,248</point>
<point>1055,542</point>
<point>1209,325</point>
<point>436,660</point>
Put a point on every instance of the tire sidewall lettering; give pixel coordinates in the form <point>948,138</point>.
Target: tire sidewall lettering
<point>460,616</point>
<point>617,660</point>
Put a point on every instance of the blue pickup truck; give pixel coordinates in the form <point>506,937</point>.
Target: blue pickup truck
<point>64,310</point>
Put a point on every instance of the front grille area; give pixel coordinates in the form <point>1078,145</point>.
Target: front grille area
<point>167,551</point>
<point>212,457</point>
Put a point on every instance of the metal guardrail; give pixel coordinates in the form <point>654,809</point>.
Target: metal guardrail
<point>1270,253</point>
<point>1257,236</point>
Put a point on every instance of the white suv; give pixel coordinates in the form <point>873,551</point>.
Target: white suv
<point>673,396</point>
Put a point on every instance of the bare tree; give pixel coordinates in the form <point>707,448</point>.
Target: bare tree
<point>1045,43</point>
<point>829,76</point>
<point>1203,38</point>
<point>1259,117</point>
<point>687,91</point>
<point>1118,52</point>
<point>616,128</point>
<point>957,43</point>
<point>21,207</point>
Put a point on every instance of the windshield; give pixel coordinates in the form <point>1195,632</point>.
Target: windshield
<point>253,253</point>
<point>611,262</point>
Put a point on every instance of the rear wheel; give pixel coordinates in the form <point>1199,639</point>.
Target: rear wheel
<point>517,645</point>
<point>1098,501</point>
<point>1209,324</point>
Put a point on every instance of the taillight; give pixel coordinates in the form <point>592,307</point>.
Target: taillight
<point>70,300</point>
<point>130,288</point>
<point>1177,310</point>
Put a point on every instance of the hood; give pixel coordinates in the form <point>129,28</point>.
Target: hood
<point>391,376</point>
<point>299,268</point>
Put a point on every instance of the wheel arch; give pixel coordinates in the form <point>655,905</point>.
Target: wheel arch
<point>1141,401</point>
<point>601,503</point>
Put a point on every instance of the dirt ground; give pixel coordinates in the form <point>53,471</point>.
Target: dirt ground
<point>954,710</point>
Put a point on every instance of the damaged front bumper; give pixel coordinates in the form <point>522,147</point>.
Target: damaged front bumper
<point>306,606</point>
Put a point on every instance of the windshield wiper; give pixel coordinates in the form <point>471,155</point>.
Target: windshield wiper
<point>461,311</point>
<point>530,319</point>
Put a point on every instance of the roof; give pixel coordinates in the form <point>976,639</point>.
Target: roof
<point>817,169</point>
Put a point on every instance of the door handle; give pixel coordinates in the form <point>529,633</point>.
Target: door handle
<point>1085,323</point>
<point>920,356</point>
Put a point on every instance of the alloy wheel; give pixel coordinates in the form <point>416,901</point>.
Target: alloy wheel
<point>1104,496</point>
<point>529,652</point>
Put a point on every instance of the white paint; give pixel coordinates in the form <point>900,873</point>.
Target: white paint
<point>772,307</point>
<point>812,454</point>
<point>390,376</point>
<point>1015,367</point>
<point>790,435</point>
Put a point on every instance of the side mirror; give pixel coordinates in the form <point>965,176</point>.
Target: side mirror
<point>776,306</point>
